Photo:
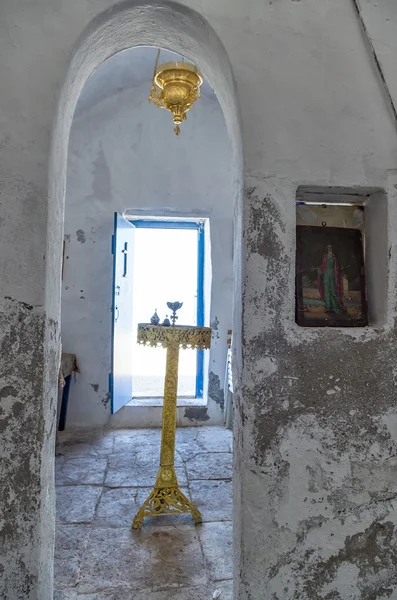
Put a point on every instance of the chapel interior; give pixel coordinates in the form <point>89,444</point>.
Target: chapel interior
<point>198,266</point>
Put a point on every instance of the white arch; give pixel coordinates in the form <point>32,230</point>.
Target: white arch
<point>129,24</point>
<point>126,25</point>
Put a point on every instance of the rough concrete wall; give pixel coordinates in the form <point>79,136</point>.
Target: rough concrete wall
<point>28,348</point>
<point>123,155</point>
<point>26,396</point>
<point>321,418</point>
<point>316,409</point>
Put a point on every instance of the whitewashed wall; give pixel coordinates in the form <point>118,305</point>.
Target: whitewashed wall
<point>315,501</point>
<point>124,155</point>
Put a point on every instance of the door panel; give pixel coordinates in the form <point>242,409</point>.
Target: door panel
<point>122,338</point>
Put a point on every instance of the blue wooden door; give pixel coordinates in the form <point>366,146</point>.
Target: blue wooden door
<point>122,334</point>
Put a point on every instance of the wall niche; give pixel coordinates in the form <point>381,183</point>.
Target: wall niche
<point>341,257</point>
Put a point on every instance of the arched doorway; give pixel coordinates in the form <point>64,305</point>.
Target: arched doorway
<point>131,25</point>
<point>177,194</point>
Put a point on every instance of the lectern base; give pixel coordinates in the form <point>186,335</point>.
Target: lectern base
<point>167,498</point>
<point>166,501</point>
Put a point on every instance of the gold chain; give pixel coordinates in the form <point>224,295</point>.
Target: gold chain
<point>152,95</point>
<point>156,64</point>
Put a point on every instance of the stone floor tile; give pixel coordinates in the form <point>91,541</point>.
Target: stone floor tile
<point>226,587</point>
<point>71,537</point>
<point>132,440</point>
<point>95,545</point>
<point>195,440</point>
<point>118,506</point>
<point>213,499</point>
<point>65,594</point>
<point>76,503</point>
<point>152,456</point>
<point>81,471</point>
<point>82,434</point>
<point>188,434</point>
<point>130,472</point>
<point>210,466</point>
<point>104,445</point>
<point>215,439</point>
<point>187,446</point>
<point>59,462</point>
<point>217,542</point>
<point>142,560</point>
<point>189,440</point>
<point>187,451</point>
<point>70,448</point>
<point>197,593</point>
<point>66,568</point>
<point>114,594</point>
<point>86,443</point>
<point>144,456</point>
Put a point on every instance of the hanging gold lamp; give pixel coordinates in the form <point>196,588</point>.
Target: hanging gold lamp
<point>175,86</point>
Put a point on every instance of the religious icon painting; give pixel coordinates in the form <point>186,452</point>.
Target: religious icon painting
<point>330,277</point>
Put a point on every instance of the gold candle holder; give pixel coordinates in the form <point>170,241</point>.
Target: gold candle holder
<point>166,497</point>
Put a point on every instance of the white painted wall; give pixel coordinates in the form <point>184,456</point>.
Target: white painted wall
<point>313,111</point>
<point>124,155</point>
<point>378,20</point>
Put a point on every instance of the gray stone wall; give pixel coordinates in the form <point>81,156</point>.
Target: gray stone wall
<point>29,367</point>
<point>319,407</point>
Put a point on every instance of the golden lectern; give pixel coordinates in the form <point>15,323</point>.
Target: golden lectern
<point>166,497</point>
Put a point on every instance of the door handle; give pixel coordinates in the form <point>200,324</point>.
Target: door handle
<point>116,313</point>
<point>125,253</point>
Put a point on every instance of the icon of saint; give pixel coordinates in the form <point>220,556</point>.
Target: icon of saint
<point>330,282</point>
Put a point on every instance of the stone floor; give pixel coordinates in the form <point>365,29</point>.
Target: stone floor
<point>103,478</point>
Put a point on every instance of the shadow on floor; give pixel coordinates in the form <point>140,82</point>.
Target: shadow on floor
<point>103,478</point>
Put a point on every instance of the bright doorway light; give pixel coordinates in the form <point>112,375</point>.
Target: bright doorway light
<point>165,268</point>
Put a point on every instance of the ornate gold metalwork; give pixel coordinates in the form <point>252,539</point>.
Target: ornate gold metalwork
<point>178,87</point>
<point>197,338</point>
<point>166,501</point>
<point>167,498</point>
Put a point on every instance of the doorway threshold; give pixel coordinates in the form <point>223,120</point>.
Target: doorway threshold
<point>158,401</point>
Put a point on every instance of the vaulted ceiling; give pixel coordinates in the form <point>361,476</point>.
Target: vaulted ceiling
<point>127,70</point>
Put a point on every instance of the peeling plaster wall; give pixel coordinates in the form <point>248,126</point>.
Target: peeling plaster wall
<point>317,409</point>
<point>29,347</point>
<point>322,444</point>
<point>124,155</point>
